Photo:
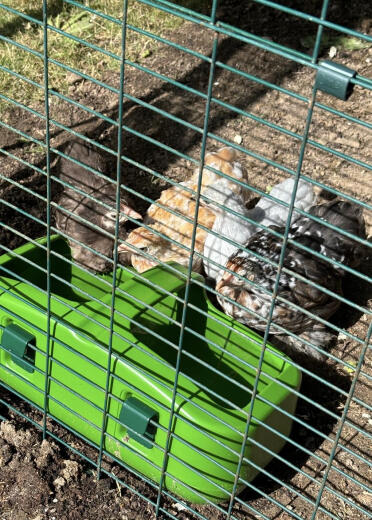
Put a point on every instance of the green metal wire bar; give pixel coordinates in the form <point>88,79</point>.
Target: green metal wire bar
<point>21,186</point>
<point>22,134</point>
<point>342,421</point>
<point>319,33</point>
<point>274,296</point>
<point>118,178</point>
<point>188,281</point>
<point>21,46</point>
<point>21,76</point>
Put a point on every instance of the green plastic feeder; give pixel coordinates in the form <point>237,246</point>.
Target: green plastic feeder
<point>218,367</point>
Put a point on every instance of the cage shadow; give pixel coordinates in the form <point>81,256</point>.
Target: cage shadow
<point>300,434</point>
<point>54,8</point>
<point>358,291</point>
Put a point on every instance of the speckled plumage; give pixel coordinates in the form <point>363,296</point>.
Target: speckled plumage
<point>91,211</point>
<point>309,233</point>
<point>176,227</point>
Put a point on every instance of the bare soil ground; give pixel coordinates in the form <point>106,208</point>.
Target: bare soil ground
<point>45,480</point>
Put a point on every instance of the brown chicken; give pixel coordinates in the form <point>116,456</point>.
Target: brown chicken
<point>255,299</point>
<point>176,227</point>
<point>89,212</point>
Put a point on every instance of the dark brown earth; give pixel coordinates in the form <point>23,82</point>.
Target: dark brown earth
<point>44,480</point>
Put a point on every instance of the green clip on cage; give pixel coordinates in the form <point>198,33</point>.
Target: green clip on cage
<point>213,401</point>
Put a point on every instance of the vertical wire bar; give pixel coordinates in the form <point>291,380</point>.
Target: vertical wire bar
<point>318,39</point>
<point>276,286</point>
<point>115,250</point>
<point>342,421</point>
<point>48,202</point>
<point>192,248</point>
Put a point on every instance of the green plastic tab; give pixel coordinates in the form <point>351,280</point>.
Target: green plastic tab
<point>136,416</point>
<point>334,79</point>
<point>17,340</point>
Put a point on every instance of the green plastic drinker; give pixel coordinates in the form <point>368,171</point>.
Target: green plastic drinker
<point>217,369</point>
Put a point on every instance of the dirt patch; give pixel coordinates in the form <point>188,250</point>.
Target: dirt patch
<point>42,480</point>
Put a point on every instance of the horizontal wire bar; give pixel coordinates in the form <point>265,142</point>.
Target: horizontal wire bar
<point>311,18</point>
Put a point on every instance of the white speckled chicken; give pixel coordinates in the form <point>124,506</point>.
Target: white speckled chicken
<point>176,227</point>
<point>267,212</point>
<point>330,243</point>
<point>90,210</point>
<point>270,213</point>
<point>227,225</point>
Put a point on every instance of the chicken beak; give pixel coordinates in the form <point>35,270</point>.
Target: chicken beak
<point>127,210</point>
<point>125,248</point>
<point>226,279</point>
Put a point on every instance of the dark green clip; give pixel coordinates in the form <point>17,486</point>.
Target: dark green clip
<point>17,340</point>
<point>334,79</point>
<point>136,416</point>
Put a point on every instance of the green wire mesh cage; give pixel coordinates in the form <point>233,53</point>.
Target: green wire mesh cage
<point>180,121</point>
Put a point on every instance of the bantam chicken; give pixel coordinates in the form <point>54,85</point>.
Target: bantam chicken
<point>229,226</point>
<point>331,244</point>
<point>271,213</point>
<point>177,227</point>
<point>93,212</point>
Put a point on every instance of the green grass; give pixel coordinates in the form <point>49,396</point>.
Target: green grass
<point>81,24</point>
<point>347,43</point>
